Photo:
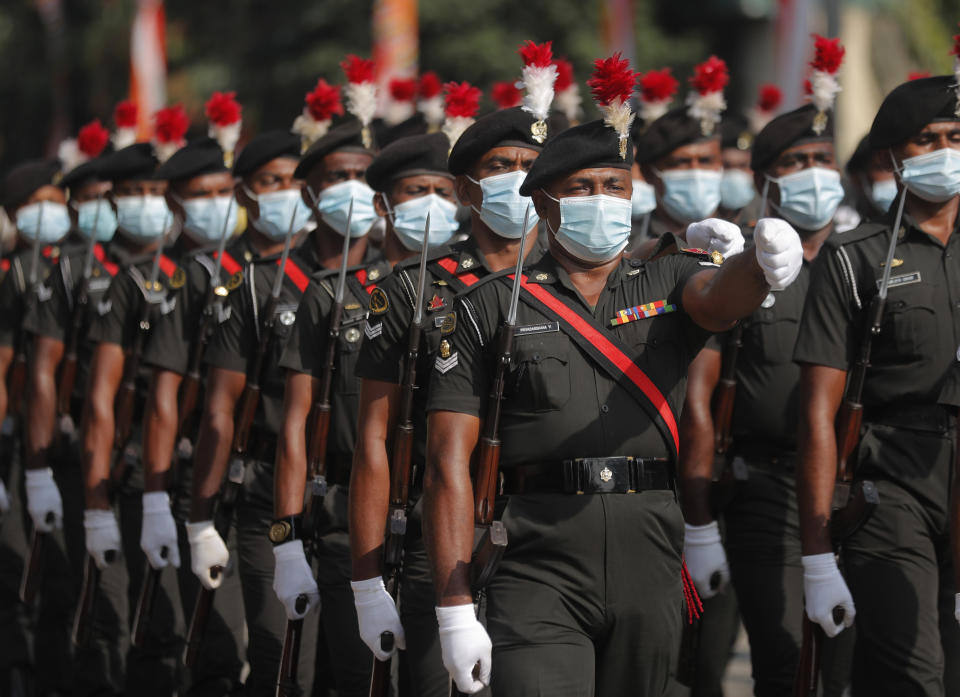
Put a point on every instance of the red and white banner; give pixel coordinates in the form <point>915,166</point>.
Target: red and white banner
<point>148,64</point>
<point>396,42</point>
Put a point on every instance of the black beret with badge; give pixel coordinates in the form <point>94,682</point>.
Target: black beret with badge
<point>673,130</point>
<point>263,148</point>
<point>911,106</point>
<point>425,154</point>
<point>136,161</point>
<point>346,137</point>
<point>507,127</point>
<point>785,131</point>
<point>198,157</point>
<point>26,178</point>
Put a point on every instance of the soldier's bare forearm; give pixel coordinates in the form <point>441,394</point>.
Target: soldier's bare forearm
<point>42,400</point>
<point>210,463</point>
<point>369,505</point>
<point>716,300</point>
<point>290,471</point>
<point>97,430</point>
<point>160,429</point>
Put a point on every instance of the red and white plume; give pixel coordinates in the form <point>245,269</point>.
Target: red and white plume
<point>955,52</point>
<point>89,143</point>
<point>769,99</point>
<point>223,113</point>
<point>461,103</point>
<point>537,78</point>
<point>566,91</point>
<point>401,100</point>
<point>169,128</point>
<point>828,55</point>
<point>657,89</point>
<point>430,100</point>
<point>506,95</point>
<point>125,119</point>
<point>361,93</point>
<point>612,85</point>
<point>319,108</point>
<point>706,101</point>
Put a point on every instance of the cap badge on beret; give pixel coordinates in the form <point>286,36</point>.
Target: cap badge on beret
<point>538,77</point>
<point>706,102</point>
<point>657,88</point>
<point>828,56</point>
<point>612,84</point>
<point>223,111</point>
<point>361,93</point>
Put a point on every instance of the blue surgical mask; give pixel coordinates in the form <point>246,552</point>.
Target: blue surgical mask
<point>277,208</point>
<point>45,222</point>
<point>142,219</point>
<point>503,207</point>
<point>934,176</point>
<point>96,218</point>
<point>883,193</point>
<point>810,197</point>
<point>334,204</point>
<point>205,218</point>
<point>410,217</point>
<point>690,194</point>
<point>593,228</point>
<point>643,200</point>
<point>736,189</point>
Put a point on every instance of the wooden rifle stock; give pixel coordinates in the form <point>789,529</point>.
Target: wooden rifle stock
<point>87,605</point>
<point>808,669</point>
<point>17,383</point>
<point>849,420</point>
<point>148,595</point>
<point>290,654</point>
<point>380,677</point>
<point>725,391</point>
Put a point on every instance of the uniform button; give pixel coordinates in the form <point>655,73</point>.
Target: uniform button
<point>604,408</point>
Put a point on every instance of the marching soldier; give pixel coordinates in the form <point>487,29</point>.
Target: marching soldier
<point>587,598</point>
<point>488,162</point>
<point>873,184</point>
<point>894,280</point>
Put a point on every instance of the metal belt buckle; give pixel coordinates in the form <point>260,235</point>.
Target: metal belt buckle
<point>604,475</point>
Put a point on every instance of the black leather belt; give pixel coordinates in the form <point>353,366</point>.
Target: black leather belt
<point>623,474</point>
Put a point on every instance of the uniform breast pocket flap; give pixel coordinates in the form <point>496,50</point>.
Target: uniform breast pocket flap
<point>910,320</point>
<point>540,377</point>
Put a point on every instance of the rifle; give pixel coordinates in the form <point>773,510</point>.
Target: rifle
<point>86,607</point>
<point>401,467</point>
<point>18,372</point>
<point>493,534</point>
<point>290,654</point>
<point>243,420</point>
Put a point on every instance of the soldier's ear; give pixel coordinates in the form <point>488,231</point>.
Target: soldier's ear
<point>380,204</point>
<point>245,200</point>
<point>461,186</point>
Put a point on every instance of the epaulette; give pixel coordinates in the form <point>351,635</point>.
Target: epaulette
<point>492,276</point>
<point>861,232</point>
<point>432,255</point>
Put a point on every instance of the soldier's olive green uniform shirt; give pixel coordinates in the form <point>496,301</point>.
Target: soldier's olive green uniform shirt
<point>306,352</point>
<point>13,290</point>
<point>558,402</point>
<point>236,340</point>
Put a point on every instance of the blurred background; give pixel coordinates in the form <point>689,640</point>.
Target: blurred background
<point>65,62</point>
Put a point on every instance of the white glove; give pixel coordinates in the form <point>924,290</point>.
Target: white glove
<point>207,550</point>
<point>103,536</point>
<point>158,535</point>
<point>706,558</point>
<point>43,499</point>
<point>4,498</point>
<point>464,643</point>
<point>825,589</point>
<point>292,577</point>
<point>377,613</point>
<point>715,235</point>
<point>779,251</point>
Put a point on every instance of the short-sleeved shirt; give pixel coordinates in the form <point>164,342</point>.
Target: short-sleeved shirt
<point>14,304</point>
<point>558,402</point>
<point>235,342</point>
<point>306,351</point>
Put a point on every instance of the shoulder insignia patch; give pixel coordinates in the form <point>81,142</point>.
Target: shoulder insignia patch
<point>104,307</point>
<point>178,278</point>
<point>167,306</point>
<point>235,280</point>
<point>445,365</point>
<point>378,302</point>
<point>44,293</point>
<point>372,331</point>
<point>446,323</point>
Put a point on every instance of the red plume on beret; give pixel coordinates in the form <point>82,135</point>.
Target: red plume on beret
<point>564,74</point>
<point>828,54</point>
<point>506,94</point>
<point>537,55</point>
<point>827,58</point>
<point>658,85</point>
<point>324,101</point>
<point>403,89</point>
<point>361,93</point>
<point>92,139</point>
<point>612,80</point>
<point>357,69</point>
<point>222,108</point>
<point>769,98</point>
<point>710,76</point>
<point>430,85</point>
<point>171,124</point>
<point>462,99</point>
<point>918,74</point>
<point>125,114</point>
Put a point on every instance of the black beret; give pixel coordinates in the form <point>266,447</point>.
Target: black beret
<point>426,154</point>
<point>589,145</point>
<point>557,123</point>
<point>786,130</point>
<point>201,156</point>
<point>416,125</point>
<point>911,106</point>
<point>735,131</point>
<point>860,159</point>
<point>135,161</point>
<point>25,178</point>
<point>504,127</point>
<point>265,147</point>
<point>346,136</point>
<point>671,131</point>
<point>89,171</point>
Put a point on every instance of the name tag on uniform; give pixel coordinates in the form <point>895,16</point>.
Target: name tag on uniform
<point>902,280</point>
<point>542,328</point>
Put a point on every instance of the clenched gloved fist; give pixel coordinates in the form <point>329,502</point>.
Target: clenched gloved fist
<point>377,613</point>
<point>4,498</point>
<point>779,251</point>
<point>824,589</point>
<point>43,500</point>
<point>715,235</point>
<point>158,536</point>
<point>292,578</point>
<point>103,536</point>
<point>464,643</point>
<point>706,559</point>
<point>207,552</point>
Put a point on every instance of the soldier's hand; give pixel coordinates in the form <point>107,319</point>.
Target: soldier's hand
<point>824,589</point>
<point>4,499</point>
<point>158,535</point>
<point>706,559</point>
<point>715,235</point>
<point>779,251</point>
<point>103,536</point>
<point>207,552</point>
<point>464,643</point>
<point>377,613</point>
<point>43,500</point>
<point>292,577</point>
